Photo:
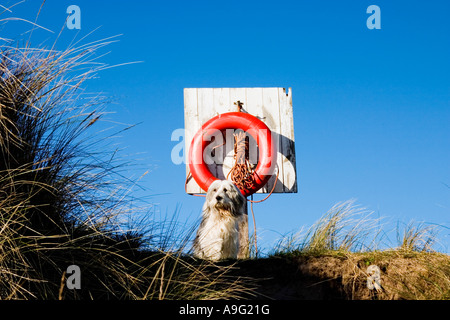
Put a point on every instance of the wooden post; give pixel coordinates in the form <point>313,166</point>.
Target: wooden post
<point>244,252</point>
<point>243,224</point>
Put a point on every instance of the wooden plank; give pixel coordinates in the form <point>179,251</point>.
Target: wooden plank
<point>191,124</point>
<point>207,110</point>
<point>255,107</point>
<point>287,142</point>
<point>222,100</point>
<point>235,94</point>
<point>206,107</point>
<point>272,120</point>
<point>222,105</point>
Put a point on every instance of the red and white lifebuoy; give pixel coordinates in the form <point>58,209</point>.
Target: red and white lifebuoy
<point>234,120</point>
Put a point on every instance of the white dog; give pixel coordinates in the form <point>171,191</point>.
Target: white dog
<point>218,235</point>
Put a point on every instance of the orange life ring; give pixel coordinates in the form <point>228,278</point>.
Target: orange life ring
<point>234,120</point>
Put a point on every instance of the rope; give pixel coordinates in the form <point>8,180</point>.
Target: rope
<point>254,228</point>
<point>241,173</point>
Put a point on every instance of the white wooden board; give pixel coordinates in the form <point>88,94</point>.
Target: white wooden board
<point>273,106</point>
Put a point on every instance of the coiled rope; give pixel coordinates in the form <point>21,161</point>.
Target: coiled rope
<point>242,174</point>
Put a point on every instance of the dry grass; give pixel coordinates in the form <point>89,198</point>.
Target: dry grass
<point>63,191</point>
<point>345,227</point>
<point>406,275</point>
<point>345,241</point>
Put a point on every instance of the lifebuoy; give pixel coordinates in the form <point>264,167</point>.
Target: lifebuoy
<point>234,120</point>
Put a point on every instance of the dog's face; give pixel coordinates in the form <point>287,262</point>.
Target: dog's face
<point>226,197</point>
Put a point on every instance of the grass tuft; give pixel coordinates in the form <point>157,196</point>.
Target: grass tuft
<point>345,227</point>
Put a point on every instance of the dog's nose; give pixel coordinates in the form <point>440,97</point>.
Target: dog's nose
<point>218,198</point>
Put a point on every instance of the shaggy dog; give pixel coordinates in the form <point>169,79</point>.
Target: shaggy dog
<point>218,235</point>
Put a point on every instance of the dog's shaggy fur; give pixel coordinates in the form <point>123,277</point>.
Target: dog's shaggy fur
<point>218,235</point>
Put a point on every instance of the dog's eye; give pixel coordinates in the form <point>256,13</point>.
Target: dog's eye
<point>214,190</point>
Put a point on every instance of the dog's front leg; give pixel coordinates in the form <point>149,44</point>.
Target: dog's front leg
<point>215,253</point>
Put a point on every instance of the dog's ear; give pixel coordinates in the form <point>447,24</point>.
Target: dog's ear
<point>210,191</point>
<point>206,209</point>
<point>239,198</point>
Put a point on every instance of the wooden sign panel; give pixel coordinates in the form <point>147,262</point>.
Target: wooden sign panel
<point>273,106</point>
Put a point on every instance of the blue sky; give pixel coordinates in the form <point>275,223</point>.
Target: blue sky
<point>371,107</point>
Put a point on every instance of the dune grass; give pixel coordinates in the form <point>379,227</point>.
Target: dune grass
<point>347,227</point>
<point>411,270</point>
<point>64,192</point>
